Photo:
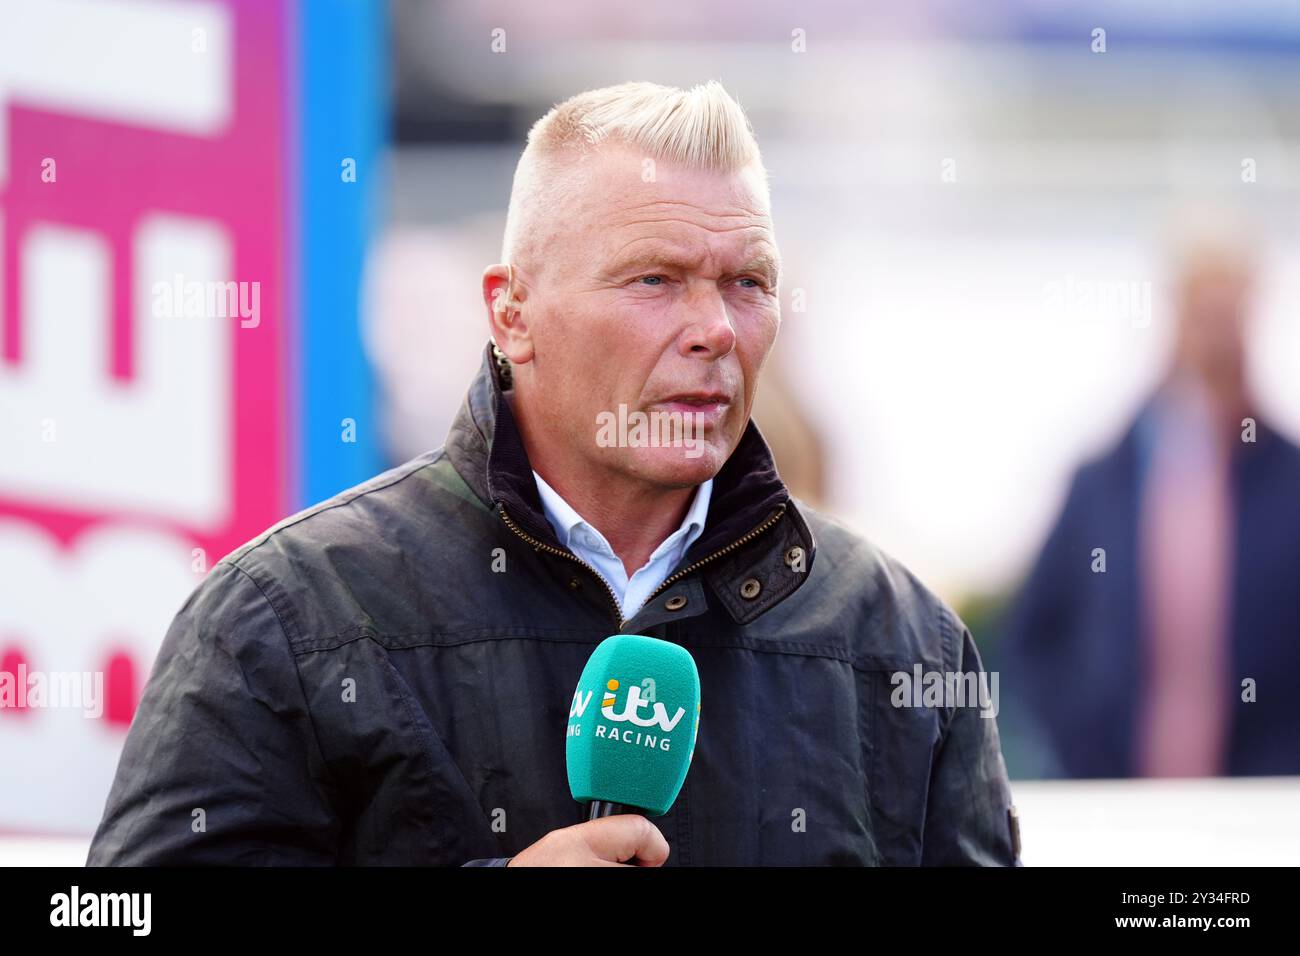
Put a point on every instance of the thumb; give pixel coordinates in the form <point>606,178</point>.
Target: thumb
<point>622,837</point>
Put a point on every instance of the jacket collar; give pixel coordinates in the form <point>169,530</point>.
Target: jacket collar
<point>486,449</point>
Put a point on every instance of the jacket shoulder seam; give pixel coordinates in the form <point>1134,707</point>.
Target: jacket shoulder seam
<point>279,617</point>
<point>341,500</point>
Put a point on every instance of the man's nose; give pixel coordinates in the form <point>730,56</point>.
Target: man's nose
<point>709,331</point>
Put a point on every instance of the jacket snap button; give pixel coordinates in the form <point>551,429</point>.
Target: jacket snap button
<point>749,590</point>
<point>793,556</point>
<point>675,603</point>
<point>574,584</point>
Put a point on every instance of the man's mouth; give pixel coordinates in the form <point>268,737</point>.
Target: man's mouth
<point>712,406</point>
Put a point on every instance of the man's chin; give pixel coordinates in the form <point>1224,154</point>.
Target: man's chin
<point>679,467</point>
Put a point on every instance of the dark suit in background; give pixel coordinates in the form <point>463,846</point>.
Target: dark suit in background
<point>1074,662</point>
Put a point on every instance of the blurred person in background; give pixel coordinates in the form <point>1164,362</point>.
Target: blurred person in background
<point>1161,621</point>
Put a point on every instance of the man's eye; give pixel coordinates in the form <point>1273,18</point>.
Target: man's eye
<point>652,280</point>
<point>754,283</point>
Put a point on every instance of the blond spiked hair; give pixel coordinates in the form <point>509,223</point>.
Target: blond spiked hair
<point>700,128</point>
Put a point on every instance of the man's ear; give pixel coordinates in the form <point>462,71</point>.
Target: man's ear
<point>505,295</point>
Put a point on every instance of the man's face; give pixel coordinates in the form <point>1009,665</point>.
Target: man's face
<point>1213,323</point>
<point>661,297</point>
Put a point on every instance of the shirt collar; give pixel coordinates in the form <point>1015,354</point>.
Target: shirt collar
<point>566,521</point>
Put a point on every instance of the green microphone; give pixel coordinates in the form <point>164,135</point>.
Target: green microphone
<point>632,726</point>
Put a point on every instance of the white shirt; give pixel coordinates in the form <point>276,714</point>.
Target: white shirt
<point>589,544</point>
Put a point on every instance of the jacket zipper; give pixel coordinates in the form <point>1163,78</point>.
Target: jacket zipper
<point>742,540</point>
<point>543,546</point>
<point>668,582</point>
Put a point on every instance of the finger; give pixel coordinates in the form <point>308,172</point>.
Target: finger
<point>620,838</point>
<point>653,848</point>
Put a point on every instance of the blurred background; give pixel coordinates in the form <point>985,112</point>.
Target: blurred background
<point>1017,238</point>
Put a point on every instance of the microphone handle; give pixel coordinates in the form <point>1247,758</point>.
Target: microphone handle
<point>607,808</point>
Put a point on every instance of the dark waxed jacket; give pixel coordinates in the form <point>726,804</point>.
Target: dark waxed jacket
<point>385,678</point>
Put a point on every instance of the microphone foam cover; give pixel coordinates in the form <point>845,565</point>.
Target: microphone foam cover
<point>633,723</point>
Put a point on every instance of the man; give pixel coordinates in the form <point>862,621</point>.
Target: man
<point>386,677</point>
<point>1166,663</point>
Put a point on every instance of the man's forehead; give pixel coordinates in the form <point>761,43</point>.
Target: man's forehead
<point>665,214</point>
<point>620,183</point>
<point>621,208</point>
<point>680,226</point>
<point>681,216</point>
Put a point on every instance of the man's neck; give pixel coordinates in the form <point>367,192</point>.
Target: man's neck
<point>1226,404</point>
<point>635,520</point>
<point>635,517</point>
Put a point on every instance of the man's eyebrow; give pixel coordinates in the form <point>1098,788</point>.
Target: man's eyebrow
<point>649,259</point>
<point>763,263</point>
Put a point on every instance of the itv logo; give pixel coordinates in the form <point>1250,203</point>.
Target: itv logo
<point>632,707</point>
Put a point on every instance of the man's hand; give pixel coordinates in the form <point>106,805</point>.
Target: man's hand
<point>607,841</point>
